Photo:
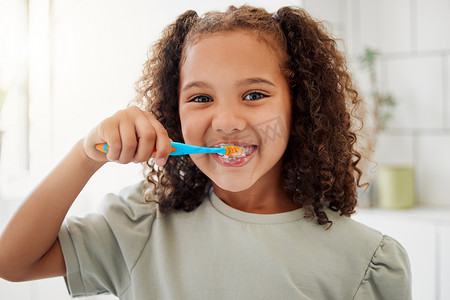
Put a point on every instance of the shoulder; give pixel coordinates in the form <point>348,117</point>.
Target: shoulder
<point>129,205</point>
<point>130,219</point>
<point>378,262</point>
<point>346,229</point>
<point>362,238</point>
<point>388,274</point>
<point>349,244</point>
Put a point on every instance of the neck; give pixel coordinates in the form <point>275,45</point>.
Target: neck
<point>266,196</point>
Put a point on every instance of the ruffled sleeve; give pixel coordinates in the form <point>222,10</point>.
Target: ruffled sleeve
<point>388,275</point>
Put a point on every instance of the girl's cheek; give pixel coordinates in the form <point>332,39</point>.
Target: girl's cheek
<point>183,126</point>
<point>189,129</point>
<point>185,132</point>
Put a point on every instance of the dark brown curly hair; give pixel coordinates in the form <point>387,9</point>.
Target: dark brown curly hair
<point>320,163</point>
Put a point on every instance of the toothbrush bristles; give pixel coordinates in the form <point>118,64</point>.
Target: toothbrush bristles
<point>234,151</point>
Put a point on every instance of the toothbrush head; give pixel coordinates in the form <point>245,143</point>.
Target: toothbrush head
<point>233,151</point>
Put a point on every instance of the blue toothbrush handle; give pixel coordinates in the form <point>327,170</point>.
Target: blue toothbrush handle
<point>183,149</point>
<point>177,149</point>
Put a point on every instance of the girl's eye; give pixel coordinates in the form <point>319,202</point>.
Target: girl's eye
<point>254,96</point>
<point>200,99</point>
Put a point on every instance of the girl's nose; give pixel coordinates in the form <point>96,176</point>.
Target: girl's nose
<point>228,120</point>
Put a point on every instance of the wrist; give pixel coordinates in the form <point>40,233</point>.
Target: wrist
<point>85,160</point>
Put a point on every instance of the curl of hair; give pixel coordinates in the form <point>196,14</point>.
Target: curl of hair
<point>180,184</point>
<point>320,163</point>
<point>321,160</point>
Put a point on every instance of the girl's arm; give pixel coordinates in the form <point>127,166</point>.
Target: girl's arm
<point>29,247</point>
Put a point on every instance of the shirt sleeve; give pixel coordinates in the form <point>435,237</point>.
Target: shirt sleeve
<point>101,249</point>
<point>92,255</point>
<point>388,275</point>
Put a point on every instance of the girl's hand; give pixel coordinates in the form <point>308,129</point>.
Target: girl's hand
<point>122,131</point>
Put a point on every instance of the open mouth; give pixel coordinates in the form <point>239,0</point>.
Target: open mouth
<point>238,160</point>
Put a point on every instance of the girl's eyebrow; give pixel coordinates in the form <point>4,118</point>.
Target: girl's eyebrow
<point>199,84</point>
<point>244,82</point>
<point>254,80</point>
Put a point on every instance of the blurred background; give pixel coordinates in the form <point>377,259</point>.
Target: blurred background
<point>66,65</point>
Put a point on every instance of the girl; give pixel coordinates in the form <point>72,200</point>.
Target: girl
<point>206,226</point>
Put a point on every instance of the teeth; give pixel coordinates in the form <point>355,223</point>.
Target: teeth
<point>248,150</point>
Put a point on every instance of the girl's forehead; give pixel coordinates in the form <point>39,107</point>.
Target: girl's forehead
<point>234,40</point>
<point>227,58</point>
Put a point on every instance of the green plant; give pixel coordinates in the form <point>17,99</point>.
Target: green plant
<point>383,103</point>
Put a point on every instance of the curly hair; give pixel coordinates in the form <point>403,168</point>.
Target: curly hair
<point>320,164</point>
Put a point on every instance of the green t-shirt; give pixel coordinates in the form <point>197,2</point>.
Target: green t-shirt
<point>217,252</point>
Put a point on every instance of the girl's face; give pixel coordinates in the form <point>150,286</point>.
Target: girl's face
<point>232,91</point>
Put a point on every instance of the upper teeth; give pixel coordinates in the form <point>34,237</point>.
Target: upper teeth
<point>248,149</point>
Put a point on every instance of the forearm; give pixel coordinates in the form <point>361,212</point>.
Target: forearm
<point>35,226</point>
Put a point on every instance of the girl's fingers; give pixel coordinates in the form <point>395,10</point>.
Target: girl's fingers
<point>109,133</point>
<point>132,135</point>
<point>163,142</point>
<point>147,137</point>
<point>129,142</point>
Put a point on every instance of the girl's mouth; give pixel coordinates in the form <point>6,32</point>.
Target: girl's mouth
<point>236,161</point>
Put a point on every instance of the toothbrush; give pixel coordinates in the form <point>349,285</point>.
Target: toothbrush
<point>183,149</point>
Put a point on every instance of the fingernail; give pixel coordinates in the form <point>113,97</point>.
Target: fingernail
<point>160,162</point>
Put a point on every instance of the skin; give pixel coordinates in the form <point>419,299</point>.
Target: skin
<point>229,90</point>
